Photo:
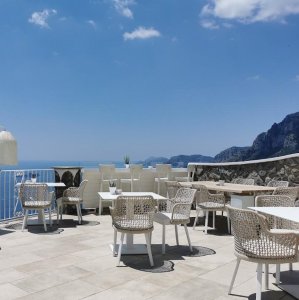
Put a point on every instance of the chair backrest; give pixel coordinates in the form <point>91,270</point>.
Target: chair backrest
<point>163,170</point>
<point>136,171</point>
<point>133,212</point>
<point>172,188</point>
<point>254,240</point>
<point>32,192</point>
<point>246,181</point>
<point>185,195</point>
<point>107,172</point>
<point>278,183</point>
<point>292,192</point>
<point>275,201</point>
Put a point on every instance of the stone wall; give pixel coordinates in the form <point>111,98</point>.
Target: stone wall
<point>262,171</point>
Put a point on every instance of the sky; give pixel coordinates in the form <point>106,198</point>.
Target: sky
<point>100,79</point>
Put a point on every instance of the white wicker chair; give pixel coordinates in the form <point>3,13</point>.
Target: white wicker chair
<point>35,197</point>
<point>278,183</point>
<point>247,181</point>
<point>133,215</point>
<point>255,242</point>
<point>72,196</point>
<point>207,202</point>
<point>163,174</point>
<point>292,192</point>
<point>177,212</point>
<point>107,174</point>
<point>135,177</point>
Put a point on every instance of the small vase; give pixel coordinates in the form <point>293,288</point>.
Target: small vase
<point>112,190</point>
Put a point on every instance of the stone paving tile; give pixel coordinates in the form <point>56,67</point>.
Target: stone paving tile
<point>9,292</point>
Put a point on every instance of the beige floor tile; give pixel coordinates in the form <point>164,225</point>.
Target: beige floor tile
<point>9,292</point>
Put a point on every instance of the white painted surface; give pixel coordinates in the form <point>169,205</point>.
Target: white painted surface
<point>240,201</point>
<point>288,213</point>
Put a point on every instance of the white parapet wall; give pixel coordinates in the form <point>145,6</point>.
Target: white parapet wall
<point>91,198</point>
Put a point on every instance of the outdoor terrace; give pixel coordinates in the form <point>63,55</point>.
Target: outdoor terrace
<point>75,262</point>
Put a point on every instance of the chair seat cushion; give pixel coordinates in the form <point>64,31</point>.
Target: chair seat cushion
<point>129,180</point>
<point>36,204</point>
<point>71,200</point>
<point>212,205</point>
<point>164,218</point>
<point>161,179</point>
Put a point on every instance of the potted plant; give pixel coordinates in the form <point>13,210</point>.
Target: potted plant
<point>112,187</point>
<point>33,178</point>
<point>127,161</point>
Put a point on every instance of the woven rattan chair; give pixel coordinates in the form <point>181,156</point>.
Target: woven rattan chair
<point>292,192</point>
<point>133,215</point>
<point>163,174</point>
<point>135,177</point>
<point>107,174</point>
<point>177,212</point>
<point>255,242</point>
<point>247,181</point>
<point>206,202</point>
<point>72,196</point>
<point>35,197</point>
<point>278,183</point>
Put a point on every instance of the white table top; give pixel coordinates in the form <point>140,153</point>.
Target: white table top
<point>288,213</point>
<point>49,184</point>
<point>229,187</point>
<point>109,196</point>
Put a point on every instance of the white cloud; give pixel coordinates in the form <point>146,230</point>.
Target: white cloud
<point>250,11</point>
<point>40,18</point>
<point>141,33</point>
<point>92,23</point>
<point>122,7</point>
<point>254,77</point>
<point>209,24</point>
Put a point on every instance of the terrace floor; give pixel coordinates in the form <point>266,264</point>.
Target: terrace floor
<point>77,264</point>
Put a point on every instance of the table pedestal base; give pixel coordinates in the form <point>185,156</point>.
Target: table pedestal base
<point>239,201</point>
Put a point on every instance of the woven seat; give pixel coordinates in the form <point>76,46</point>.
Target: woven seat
<point>177,212</point>
<point>35,197</point>
<point>206,202</point>
<point>72,195</point>
<point>255,242</point>
<point>133,215</point>
<point>278,183</point>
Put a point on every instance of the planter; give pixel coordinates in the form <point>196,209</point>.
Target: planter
<point>127,166</point>
<point>112,190</point>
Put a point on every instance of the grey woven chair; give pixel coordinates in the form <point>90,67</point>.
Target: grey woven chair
<point>133,215</point>
<point>255,242</point>
<point>278,183</point>
<point>163,174</point>
<point>135,177</point>
<point>107,174</point>
<point>177,212</point>
<point>35,197</point>
<point>247,181</point>
<point>206,202</point>
<point>292,192</point>
<point>72,196</point>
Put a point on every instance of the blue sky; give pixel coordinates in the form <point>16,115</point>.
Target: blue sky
<point>95,80</point>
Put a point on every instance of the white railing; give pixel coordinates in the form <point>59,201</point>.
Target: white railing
<point>10,206</point>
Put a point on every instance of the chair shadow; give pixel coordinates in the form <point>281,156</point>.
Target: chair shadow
<point>5,231</point>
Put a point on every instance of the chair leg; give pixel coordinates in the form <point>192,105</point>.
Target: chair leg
<point>206,222</point>
<point>163,239</point>
<point>228,224</point>
<point>50,216</point>
<point>78,213</point>
<point>44,219</point>
<point>114,242</point>
<point>61,209</point>
<point>119,248</point>
<point>214,216</point>
<point>267,276</point>
<point>149,248</point>
<point>290,266</point>
<point>277,274</point>
<point>188,238</point>
<point>234,276</point>
<point>176,234</point>
<point>196,218</point>
<point>259,277</point>
<point>25,219</point>
<point>159,187</point>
